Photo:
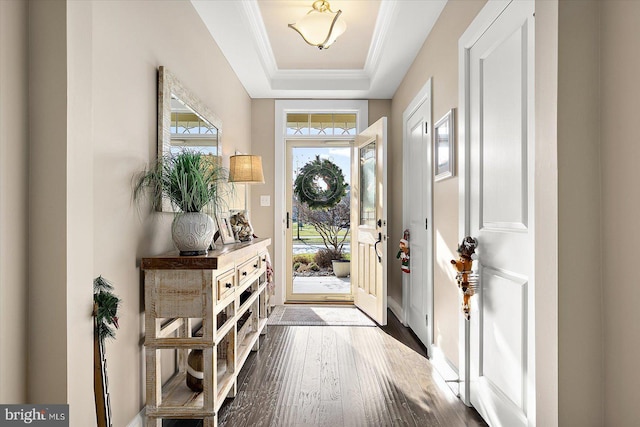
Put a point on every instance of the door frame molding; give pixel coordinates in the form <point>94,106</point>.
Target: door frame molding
<point>282,107</point>
<point>424,95</point>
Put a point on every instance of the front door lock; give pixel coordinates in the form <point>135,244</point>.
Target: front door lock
<point>375,247</point>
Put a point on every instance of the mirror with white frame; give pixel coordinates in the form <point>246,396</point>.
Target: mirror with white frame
<point>184,122</point>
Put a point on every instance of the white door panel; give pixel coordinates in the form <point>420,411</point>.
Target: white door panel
<point>500,216</point>
<point>369,221</point>
<point>503,356</point>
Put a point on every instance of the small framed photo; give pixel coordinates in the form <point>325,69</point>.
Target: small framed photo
<point>444,147</point>
<point>224,227</point>
<point>241,226</point>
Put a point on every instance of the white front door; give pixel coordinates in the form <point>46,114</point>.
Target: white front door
<point>369,221</point>
<point>501,217</point>
<point>418,187</point>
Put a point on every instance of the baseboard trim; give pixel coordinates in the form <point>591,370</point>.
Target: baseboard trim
<point>396,308</point>
<point>445,369</point>
<point>138,420</point>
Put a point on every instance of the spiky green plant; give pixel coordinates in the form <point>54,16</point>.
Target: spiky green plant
<point>191,181</point>
<point>106,308</point>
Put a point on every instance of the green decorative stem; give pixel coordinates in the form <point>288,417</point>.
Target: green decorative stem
<point>105,307</point>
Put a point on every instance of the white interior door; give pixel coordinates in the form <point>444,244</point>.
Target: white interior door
<point>418,187</point>
<point>369,221</point>
<point>501,218</point>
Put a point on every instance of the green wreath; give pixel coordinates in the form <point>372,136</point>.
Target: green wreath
<point>307,187</point>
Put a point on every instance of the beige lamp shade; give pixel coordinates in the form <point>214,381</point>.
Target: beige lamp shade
<point>246,168</point>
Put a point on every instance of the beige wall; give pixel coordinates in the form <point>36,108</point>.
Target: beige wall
<point>597,104</point>
<point>48,249</point>
<point>125,61</point>
<point>60,205</point>
<point>92,112</point>
<point>80,209</point>
<point>620,152</point>
<point>579,240</point>
<point>379,108</point>
<point>262,140</point>
<point>442,44</point>
<point>14,156</point>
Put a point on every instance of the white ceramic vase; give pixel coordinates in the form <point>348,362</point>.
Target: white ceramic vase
<point>192,233</point>
<point>341,267</point>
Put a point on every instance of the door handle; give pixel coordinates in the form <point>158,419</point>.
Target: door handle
<point>287,219</point>
<point>375,247</point>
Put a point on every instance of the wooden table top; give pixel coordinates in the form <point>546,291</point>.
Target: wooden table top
<point>174,261</point>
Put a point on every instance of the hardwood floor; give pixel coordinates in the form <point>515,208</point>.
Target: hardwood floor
<point>341,376</point>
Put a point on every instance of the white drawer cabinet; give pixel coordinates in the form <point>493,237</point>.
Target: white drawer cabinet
<point>225,290</point>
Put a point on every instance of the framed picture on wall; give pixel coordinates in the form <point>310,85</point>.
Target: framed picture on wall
<point>224,227</point>
<point>444,147</point>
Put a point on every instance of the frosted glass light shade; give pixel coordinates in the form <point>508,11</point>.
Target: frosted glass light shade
<point>246,168</point>
<point>320,26</point>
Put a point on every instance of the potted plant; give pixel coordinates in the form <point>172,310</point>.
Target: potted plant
<point>341,267</point>
<point>191,182</point>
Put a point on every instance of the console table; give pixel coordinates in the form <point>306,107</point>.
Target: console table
<point>225,291</point>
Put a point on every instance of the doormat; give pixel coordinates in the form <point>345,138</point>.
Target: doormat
<point>286,315</point>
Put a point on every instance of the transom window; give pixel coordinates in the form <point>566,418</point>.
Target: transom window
<point>321,124</point>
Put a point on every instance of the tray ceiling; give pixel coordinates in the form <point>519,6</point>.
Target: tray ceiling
<point>272,61</point>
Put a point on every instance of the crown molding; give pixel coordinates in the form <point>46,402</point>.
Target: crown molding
<point>260,36</point>
<point>386,15</point>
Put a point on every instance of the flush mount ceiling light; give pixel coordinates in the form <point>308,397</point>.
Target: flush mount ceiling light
<point>321,26</point>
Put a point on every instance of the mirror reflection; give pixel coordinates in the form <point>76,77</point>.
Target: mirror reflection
<point>190,130</point>
<point>184,122</point>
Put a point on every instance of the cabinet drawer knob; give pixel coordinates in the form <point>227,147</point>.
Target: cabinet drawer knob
<point>228,285</point>
<point>255,265</point>
<point>244,273</point>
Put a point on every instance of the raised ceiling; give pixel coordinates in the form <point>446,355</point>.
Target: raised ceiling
<point>292,53</point>
<point>272,61</point>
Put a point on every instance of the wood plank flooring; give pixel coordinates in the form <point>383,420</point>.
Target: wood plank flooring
<point>341,376</point>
